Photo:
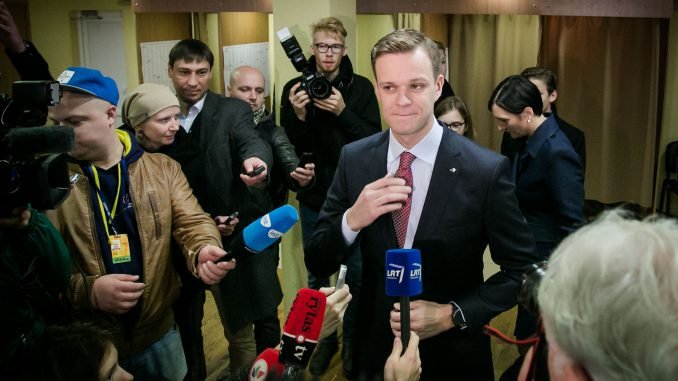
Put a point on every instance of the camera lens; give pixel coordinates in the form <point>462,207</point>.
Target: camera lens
<point>320,88</point>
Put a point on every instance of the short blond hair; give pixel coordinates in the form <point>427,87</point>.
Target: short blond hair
<point>330,25</point>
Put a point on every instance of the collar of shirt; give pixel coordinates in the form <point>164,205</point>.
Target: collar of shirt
<point>426,150</point>
<point>193,111</point>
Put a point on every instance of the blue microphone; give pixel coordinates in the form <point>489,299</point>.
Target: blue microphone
<point>262,232</point>
<point>403,279</point>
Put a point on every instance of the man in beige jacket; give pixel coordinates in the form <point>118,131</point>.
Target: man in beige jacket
<point>125,207</point>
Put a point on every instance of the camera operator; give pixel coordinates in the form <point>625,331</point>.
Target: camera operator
<point>609,303</point>
<point>323,127</point>
<point>34,270</point>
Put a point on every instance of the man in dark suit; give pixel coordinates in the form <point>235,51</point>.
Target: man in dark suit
<point>217,147</point>
<point>546,81</point>
<point>458,199</point>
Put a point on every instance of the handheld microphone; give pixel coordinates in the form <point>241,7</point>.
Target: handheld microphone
<point>262,233</point>
<point>403,279</point>
<point>266,366</point>
<point>302,329</point>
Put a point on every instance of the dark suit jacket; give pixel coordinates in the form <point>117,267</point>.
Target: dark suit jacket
<point>470,203</point>
<point>510,146</point>
<point>550,186</point>
<point>211,155</point>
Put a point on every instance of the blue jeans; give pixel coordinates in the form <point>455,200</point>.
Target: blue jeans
<point>162,360</point>
<point>354,274</point>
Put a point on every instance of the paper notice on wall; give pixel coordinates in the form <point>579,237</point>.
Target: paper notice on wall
<point>154,59</point>
<point>255,55</point>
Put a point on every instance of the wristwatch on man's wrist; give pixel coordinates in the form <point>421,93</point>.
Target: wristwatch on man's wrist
<point>458,317</point>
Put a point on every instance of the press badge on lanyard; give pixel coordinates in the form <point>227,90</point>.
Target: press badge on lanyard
<point>119,248</point>
<point>119,243</point>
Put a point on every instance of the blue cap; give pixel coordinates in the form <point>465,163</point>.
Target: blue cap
<point>90,81</point>
<point>403,272</point>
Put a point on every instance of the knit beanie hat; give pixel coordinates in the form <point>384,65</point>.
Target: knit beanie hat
<point>145,101</point>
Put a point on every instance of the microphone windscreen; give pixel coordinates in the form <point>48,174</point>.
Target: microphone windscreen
<point>266,230</point>
<point>266,366</point>
<point>403,272</point>
<point>302,328</point>
<point>22,142</point>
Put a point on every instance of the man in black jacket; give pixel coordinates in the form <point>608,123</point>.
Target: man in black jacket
<point>263,291</point>
<point>323,127</point>
<point>219,146</point>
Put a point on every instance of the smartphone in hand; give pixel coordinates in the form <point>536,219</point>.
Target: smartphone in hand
<point>341,279</point>
<point>306,157</point>
<point>255,171</point>
<point>231,217</point>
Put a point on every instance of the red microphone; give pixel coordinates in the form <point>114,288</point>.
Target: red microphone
<point>302,328</point>
<point>266,366</point>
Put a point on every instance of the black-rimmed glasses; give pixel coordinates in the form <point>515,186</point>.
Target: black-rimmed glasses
<point>336,48</point>
<point>455,126</point>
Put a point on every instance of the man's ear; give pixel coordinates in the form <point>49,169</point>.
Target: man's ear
<point>169,70</point>
<point>110,115</point>
<point>553,95</point>
<point>440,80</point>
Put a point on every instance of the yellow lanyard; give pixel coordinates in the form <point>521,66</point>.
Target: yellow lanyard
<point>102,206</point>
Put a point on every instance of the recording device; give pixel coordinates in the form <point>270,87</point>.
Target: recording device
<point>262,233</point>
<point>527,296</point>
<point>266,366</point>
<point>232,216</point>
<point>341,279</point>
<point>256,171</point>
<point>403,279</point>
<point>302,330</point>
<point>315,84</point>
<point>306,157</point>
<point>33,168</point>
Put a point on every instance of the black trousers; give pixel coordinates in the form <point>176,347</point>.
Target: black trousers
<point>188,314</point>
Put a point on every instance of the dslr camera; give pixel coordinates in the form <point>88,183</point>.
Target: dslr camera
<point>33,168</point>
<point>315,84</point>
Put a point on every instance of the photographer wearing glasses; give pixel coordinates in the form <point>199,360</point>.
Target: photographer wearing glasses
<point>321,120</point>
<point>609,303</point>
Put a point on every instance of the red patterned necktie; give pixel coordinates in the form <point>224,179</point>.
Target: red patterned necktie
<point>401,215</point>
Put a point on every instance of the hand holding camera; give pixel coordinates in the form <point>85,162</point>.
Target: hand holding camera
<point>313,85</point>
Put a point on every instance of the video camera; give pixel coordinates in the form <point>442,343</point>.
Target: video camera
<point>315,84</point>
<point>33,168</point>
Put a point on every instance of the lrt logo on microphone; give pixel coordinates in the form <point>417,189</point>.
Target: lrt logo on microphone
<point>396,273</point>
<point>274,234</point>
<point>415,272</point>
<point>266,221</point>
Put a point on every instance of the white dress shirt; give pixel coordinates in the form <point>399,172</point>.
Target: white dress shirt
<point>422,168</point>
<point>186,121</point>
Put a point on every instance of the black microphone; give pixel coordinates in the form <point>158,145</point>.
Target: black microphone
<point>403,279</point>
<point>23,142</point>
